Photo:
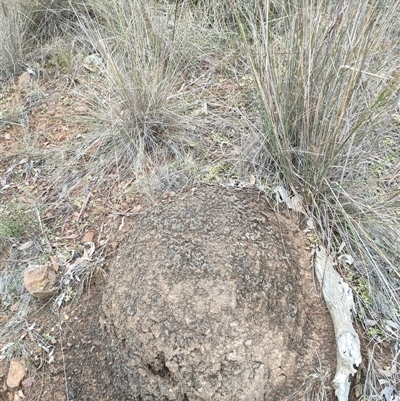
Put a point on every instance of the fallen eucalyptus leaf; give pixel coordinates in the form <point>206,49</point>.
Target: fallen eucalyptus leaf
<point>25,246</point>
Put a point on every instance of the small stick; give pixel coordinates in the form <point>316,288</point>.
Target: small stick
<point>85,203</point>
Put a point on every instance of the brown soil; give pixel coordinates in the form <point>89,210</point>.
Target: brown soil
<point>79,371</point>
<point>212,298</point>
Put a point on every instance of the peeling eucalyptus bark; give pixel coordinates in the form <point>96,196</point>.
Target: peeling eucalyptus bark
<point>339,298</point>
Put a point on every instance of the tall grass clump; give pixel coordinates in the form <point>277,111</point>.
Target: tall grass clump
<point>25,25</point>
<point>139,56</point>
<point>11,34</point>
<point>327,87</point>
<point>48,18</point>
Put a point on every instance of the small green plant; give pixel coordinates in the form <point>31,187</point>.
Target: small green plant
<point>312,241</point>
<point>47,336</point>
<point>69,294</point>
<point>64,58</point>
<point>215,173</point>
<point>67,101</point>
<point>11,288</point>
<point>374,332</point>
<point>362,289</point>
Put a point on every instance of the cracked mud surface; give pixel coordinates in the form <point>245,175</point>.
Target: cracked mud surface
<point>212,297</point>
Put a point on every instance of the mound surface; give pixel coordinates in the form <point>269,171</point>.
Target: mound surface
<point>211,297</point>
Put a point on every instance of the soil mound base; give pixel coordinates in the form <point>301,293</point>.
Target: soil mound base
<point>211,297</point>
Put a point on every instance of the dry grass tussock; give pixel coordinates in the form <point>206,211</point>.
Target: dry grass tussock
<point>11,30</point>
<point>328,90</point>
<point>304,95</point>
<point>26,24</point>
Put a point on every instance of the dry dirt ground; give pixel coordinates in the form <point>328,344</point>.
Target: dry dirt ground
<point>298,340</point>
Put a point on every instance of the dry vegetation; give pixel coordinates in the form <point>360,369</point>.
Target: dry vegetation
<point>107,105</point>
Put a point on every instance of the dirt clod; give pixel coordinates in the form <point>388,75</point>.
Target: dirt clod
<point>211,297</point>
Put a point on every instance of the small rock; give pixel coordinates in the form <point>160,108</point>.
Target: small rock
<point>40,281</point>
<point>16,373</point>
<point>167,195</point>
<point>15,306</point>
<point>114,245</point>
<point>27,382</point>
<point>24,81</point>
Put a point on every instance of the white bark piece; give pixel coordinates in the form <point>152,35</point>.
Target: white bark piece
<point>292,202</point>
<point>339,299</point>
